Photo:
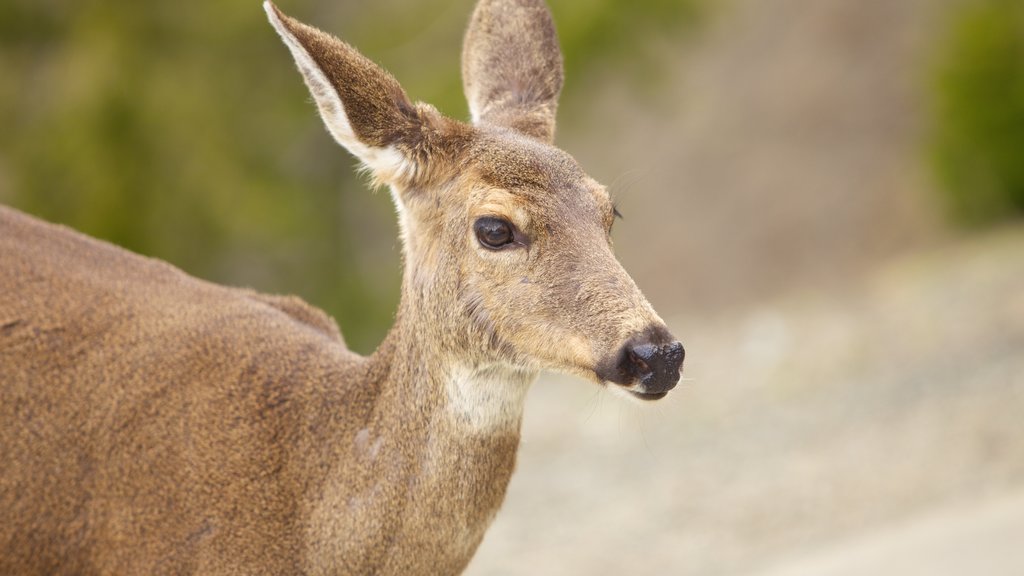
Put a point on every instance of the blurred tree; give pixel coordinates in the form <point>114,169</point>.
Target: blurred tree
<point>182,131</point>
<point>978,139</point>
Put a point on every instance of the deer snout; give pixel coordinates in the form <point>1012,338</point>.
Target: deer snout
<point>655,367</point>
<point>647,365</point>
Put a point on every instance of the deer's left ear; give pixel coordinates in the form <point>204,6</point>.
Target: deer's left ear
<point>364,107</point>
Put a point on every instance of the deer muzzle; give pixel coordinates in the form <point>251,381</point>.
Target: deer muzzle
<point>647,365</point>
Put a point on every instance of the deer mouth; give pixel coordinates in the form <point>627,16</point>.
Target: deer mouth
<point>648,396</point>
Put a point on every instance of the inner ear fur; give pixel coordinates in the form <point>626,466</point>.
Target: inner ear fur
<point>365,108</point>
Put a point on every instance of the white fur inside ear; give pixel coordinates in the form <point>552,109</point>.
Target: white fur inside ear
<point>386,164</point>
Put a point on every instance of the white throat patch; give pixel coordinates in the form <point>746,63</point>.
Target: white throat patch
<point>488,400</point>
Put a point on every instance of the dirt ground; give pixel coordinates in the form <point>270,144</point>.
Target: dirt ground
<point>814,428</point>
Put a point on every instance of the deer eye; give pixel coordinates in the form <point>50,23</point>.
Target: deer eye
<point>494,233</point>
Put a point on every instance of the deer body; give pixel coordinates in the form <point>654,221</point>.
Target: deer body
<point>153,423</point>
<point>264,464</point>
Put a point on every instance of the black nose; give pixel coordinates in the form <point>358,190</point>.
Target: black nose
<point>650,361</point>
<point>647,365</point>
<point>655,367</point>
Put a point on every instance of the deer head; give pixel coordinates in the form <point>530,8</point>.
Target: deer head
<point>506,240</point>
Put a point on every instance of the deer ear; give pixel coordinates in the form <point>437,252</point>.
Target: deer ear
<point>364,107</point>
<point>512,66</point>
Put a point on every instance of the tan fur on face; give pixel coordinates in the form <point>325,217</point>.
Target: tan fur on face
<point>496,202</point>
<point>563,302</point>
<point>153,423</point>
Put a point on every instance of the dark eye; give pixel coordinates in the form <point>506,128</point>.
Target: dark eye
<point>494,233</point>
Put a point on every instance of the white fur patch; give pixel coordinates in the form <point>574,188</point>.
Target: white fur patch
<point>488,400</point>
<point>386,163</point>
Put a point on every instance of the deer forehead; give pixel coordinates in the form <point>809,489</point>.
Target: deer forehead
<point>489,201</point>
<point>517,176</point>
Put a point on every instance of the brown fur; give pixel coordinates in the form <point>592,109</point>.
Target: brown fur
<point>153,423</point>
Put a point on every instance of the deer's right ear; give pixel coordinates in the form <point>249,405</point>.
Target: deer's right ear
<point>364,107</point>
<point>512,66</point>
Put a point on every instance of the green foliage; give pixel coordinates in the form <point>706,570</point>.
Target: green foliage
<point>978,146</point>
<point>182,131</point>
<point>598,32</point>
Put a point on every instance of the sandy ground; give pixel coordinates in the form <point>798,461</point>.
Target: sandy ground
<point>881,426</point>
<point>970,538</point>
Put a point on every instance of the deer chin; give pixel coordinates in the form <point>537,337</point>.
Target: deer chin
<point>634,393</point>
<point>647,397</point>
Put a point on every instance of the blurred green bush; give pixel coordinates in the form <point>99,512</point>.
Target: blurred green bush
<point>977,146</point>
<point>182,131</point>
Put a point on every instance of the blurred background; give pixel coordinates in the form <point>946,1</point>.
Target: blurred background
<point>823,198</point>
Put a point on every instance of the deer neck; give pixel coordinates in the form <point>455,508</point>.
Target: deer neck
<point>439,442</point>
<point>423,373</point>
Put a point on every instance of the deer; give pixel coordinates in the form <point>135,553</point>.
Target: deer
<point>156,423</point>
